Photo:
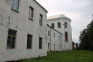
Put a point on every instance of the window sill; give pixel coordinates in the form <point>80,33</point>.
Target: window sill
<point>10,48</point>
<point>40,49</point>
<point>14,10</point>
<point>31,19</point>
<point>40,25</point>
<point>29,48</point>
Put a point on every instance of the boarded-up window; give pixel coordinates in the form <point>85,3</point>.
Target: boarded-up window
<point>15,4</point>
<point>29,41</point>
<point>11,38</point>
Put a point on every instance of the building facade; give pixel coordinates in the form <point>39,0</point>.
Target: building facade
<point>23,30</point>
<point>60,24</point>
<point>54,39</point>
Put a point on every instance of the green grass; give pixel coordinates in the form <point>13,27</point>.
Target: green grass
<point>69,56</point>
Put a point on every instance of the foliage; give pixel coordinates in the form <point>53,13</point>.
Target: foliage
<point>68,56</point>
<point>73,43</point>
<point>86,38</point>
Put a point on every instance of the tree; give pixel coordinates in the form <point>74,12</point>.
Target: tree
<point>86,38</point>
<point>90,35</point>
<point>77,46</point>
<point>73,44</point>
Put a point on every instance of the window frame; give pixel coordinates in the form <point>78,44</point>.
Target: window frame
<point>15,5</point>
<point>41,19</point>
<point>66,36</point>
<point>48,33</point>
<point>31,13</point>
<point>52,25</point>
<point>29,41</point>
<point>59,25</point>
<point>40,42</point>
<point>48,46</point>
<point>66,25</point>
<point>11,43</point>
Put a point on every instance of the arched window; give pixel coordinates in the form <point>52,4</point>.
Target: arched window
<point>59,25</point>
<point>66,24</point>
<point>66,36</point>
<point>52,24</point>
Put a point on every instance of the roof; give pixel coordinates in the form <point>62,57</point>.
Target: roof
<point>40,5</point>
<point>57,16</point>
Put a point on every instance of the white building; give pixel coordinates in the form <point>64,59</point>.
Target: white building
<point>60,38</point>
<point>26,33</point>
<point>23,30</point>
<point>54,39</point>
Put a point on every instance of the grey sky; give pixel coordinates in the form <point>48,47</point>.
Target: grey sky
<point>80,12</point>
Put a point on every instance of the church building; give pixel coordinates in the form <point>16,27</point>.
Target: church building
<point>60,38</point>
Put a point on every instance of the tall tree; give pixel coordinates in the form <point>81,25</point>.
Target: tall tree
<point>90,35</point>
<point>86,38</point>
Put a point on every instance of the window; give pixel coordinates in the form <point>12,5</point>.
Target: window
<point>31,11</point>
<point>40,43</point>
<point>66,36</point>
<point>52,25</point>
<point>15,5</point>
<point>40,19</point>
<point>48,33</point>
<point>59,25</point>
<point>65,24</point>
<point>29,41</point>
<point>48,45</point>
<point>11,38</point>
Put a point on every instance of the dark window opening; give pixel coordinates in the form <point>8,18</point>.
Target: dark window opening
<point>48,33</point>
<point>11,38</point>
<point>66,36</point>
<point>41,19</point>
<point>65,24</point>
<point>52,25</point>
<point>40,43</point>
<point>31,13</point>
<point>48,45</point>
<point>59,25</point>
<point>29,41</point>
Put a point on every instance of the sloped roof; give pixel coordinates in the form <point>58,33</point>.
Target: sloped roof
<point>57,16</point>
<point>40,5</point>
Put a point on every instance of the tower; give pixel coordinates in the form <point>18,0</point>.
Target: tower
<point>62,24</point>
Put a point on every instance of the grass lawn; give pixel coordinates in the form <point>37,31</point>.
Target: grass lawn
<point>69,56</point>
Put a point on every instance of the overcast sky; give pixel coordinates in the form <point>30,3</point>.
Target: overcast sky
<point>79,11</point>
